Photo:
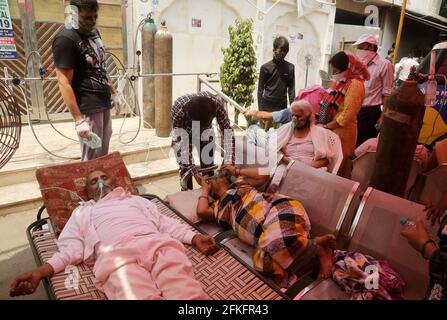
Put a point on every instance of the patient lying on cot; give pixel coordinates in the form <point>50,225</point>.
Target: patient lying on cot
<point>276,225</point>
<point>137,252</point>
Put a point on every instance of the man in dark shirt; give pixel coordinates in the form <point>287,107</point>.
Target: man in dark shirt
<point>276,79</point>
<point>192,117</point>
<point>80,61</point>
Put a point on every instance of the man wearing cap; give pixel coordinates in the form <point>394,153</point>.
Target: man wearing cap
<point>378,88</point>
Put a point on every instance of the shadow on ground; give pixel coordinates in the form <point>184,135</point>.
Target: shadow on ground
<point>18,263</point>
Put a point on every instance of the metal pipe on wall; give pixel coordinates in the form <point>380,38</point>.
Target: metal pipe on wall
<point>399,31</point>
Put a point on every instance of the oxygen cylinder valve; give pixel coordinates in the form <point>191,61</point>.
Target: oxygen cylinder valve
<point>42,72</point>
<point>16,80</point>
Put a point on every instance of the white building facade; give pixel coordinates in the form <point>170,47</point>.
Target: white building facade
<point>200,30</point>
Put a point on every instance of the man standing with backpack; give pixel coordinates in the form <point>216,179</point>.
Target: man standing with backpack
<point>80,62</point>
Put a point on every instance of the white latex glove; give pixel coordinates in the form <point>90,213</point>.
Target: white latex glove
<point>83,129</point>
<point>117,103</point>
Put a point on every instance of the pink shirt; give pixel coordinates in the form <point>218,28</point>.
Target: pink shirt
<point>115,218</point>
<point>381,82</point>
<point>370,145</point>
<point>301,149</point>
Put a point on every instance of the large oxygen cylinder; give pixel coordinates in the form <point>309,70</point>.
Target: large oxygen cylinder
<point>402,121</point>
<point>163,84</point>
<point>147,45</point>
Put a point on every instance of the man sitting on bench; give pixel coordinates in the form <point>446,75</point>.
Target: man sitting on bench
<point>276,225</point>
<point>302,140</point>
<point>137,252</point>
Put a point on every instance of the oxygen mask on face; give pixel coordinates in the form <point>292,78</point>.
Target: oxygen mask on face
<point>217,174</point>
<point>101,184</point>
<point>222,174</point>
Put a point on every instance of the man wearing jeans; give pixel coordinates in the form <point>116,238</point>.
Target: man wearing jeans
<point>80,61</point>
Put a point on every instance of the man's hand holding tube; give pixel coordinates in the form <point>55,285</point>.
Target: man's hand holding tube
<point>83,129</point>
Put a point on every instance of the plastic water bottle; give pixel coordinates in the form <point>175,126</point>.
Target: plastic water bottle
<point>94,142</point>
<point>407,223</point>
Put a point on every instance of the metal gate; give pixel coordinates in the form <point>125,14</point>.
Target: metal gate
<point>45,33</point>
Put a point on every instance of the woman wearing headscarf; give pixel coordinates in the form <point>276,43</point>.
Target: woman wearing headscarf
<point>341,104</point>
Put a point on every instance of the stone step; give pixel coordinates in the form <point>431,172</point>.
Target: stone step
<point>26,196</point>
<point>24,175</point>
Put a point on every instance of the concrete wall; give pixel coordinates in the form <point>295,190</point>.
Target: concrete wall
<point>350,33</point>
<point>283,20</point>
<point>419,6</point>
<point>199,49</point>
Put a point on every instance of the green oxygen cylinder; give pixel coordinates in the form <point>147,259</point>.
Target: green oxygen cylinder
<point>402,122</point>
<point>147,45</point>
<point>163,84</point>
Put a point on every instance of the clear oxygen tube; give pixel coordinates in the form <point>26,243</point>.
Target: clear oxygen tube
<point>64,189</point>
<point>101,185</point>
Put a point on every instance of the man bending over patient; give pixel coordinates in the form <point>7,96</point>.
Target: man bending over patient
<point>136,252</point>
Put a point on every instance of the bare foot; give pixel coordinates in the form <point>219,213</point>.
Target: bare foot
<point>325,259</point>
<point>327,240</point>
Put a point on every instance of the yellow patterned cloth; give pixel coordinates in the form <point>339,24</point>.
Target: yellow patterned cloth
<point>276,225</point>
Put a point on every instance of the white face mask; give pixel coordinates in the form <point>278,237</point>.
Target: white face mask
<point>365,55</point>
<point>339,76</point>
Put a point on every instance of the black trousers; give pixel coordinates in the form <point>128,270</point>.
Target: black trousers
<point>183,168</point>
<point>366,122</point>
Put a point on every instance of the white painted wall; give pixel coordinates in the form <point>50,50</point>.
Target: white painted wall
<point>350,33</point>
<point>419,6</point>
<point>199,49</point>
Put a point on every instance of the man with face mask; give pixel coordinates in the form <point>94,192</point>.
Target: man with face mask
<point>301,140</point>
<point>276,79</point>
<point>377,89</point>
<point>80,61</point>
<point>137,253</point>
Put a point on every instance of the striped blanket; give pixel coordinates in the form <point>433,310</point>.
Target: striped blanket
<point>276,225</point>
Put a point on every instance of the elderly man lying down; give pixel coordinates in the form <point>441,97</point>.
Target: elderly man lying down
<point>276,225</point>
<point>136,251</point>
